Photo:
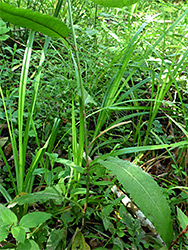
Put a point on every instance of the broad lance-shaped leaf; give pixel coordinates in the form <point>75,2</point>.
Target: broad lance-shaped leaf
<point>115,3</point>
<point>46,24</point>
<point>34,219</point>
<point>146,194</point>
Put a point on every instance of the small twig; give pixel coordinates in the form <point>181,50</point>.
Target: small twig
<point>106,130</point>
<point>179,236</point>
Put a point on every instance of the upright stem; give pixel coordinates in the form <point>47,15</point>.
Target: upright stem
<point>80,84</point>
<point>83,130</point>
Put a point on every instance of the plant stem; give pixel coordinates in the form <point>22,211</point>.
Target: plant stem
<point>83,130</point>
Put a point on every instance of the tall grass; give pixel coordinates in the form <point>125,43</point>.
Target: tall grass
<point>24,182</point>
<point>116,85</point>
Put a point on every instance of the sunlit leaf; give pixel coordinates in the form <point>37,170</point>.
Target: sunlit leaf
<point>18,233</point>
<point>115,3</point>
<point>46,24</point>
<point>34,219</point>
<point>7,216</point>
<point>78,242</point>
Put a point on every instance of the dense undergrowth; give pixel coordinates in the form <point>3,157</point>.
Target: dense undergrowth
<point>134,68</point>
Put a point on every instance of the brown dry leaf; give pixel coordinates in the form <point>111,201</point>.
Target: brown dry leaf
<point>8,149</point>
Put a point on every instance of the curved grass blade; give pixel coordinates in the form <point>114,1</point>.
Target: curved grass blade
<point>36,21</point>
<point>115,3</point>
<point>29,179</point>
<point>5,194</point>
<point>141,149</point>
<point>146,194</point>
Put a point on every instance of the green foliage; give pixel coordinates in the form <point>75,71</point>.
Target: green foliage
<point>25,183</point>
<point>115,3</point>
<point>7,216</point>
<point>78,241</point>
<point>134,228</point>
<point>28,244</point>
<point>48,25</point>
<point>9,222</point>
<point>55,238</point>
<point>34,219</point>
<point>182,219</point>
<point>146,194</point>
<point>41,197</point>
<point>3,31</point>
<point>132,66</point>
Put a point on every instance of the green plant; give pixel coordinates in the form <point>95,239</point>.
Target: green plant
<point>3,31</point>
<point>22,231</point>
<point>156,207</point>
<point>25,183</point>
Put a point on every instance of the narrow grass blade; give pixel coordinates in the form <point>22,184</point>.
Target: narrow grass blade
<point>51,143</point>
<point>141,149</point>
<point>74,136</point>
<point>111,127</point>
<point>21,104</point>
<point>34,96</point>
<point>5,194</point>
<point>28,183</point>
<point>9,169</point>
<point>13,142</point>
<point>178,125</point>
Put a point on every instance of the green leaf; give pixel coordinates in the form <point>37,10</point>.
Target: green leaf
<point>3,30</point>
<point>115,3</point>
<point>4,37</point>
<point>3,141</point>
<point>55,237</point>
<point>7,216</point>
<point>100,248</point>
<point>34,219</point>
<point>141,149</point>
<point>182,219</point>
<point>4,192</point>
<point>4,231</point>
<point>145,193</point>
<point>46,24</point>
<point>76,191</point>
<point>78,242</point>
<point>18,233</point>
<point>28,245</point>
<point>70,164</point>
<point>42,196</point>
<point>88,98</point>
<point>106,222</point>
